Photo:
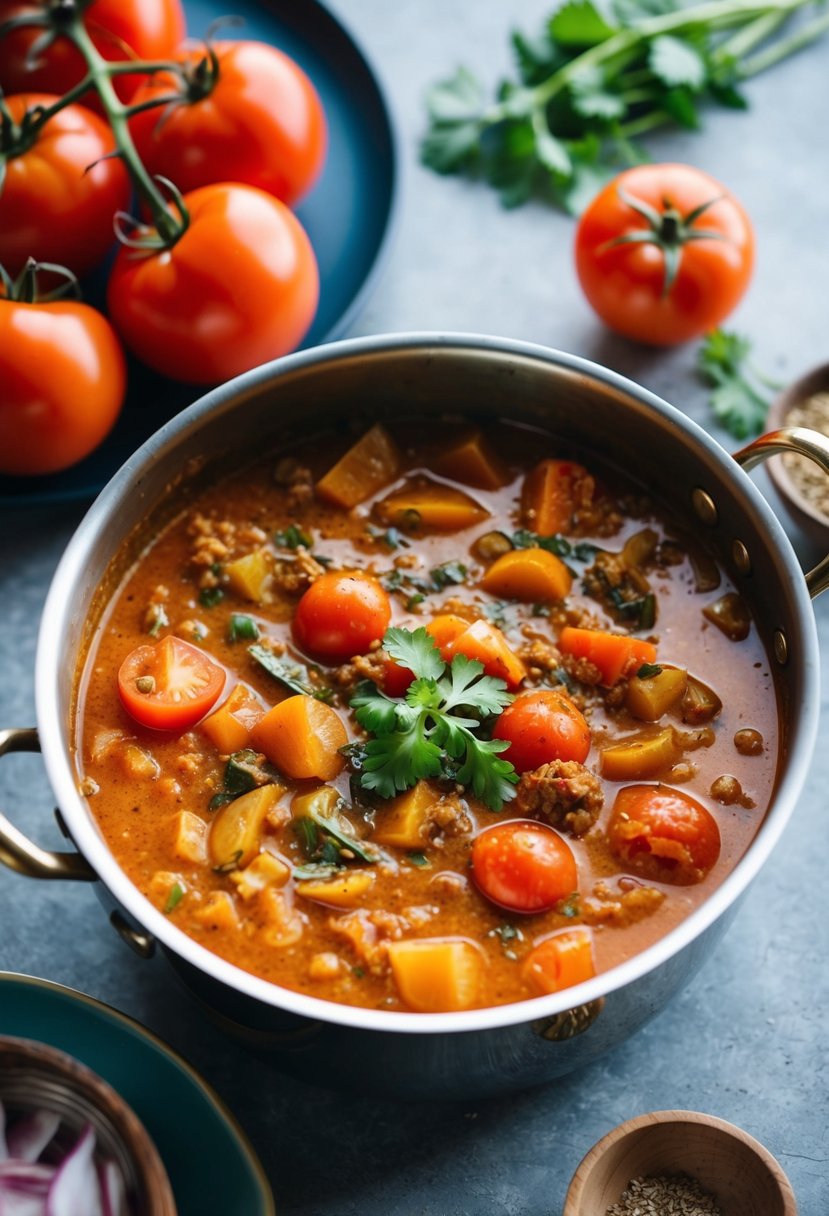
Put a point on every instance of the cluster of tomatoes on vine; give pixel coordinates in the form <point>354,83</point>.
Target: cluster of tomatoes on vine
<point>193,156</point>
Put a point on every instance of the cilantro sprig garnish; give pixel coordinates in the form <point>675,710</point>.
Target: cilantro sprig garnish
<point>432,729</point>
<point>740,394</point>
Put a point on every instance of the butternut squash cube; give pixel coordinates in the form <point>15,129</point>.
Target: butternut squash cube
<point>639,756</point>
<point>236,832</point>
<point>283,925</point>
<point>138,763</point>
<point>400,823</point>
<point>189,837</point>
<point>531,575</point>
<point>344,890</point>
<point>429,506</point>
<point>218,911</point>
<point>370,464</point>
<point>228,728</point>
<point>265,870</point>
<point>250,576</point>
<point>437,975</point>
<point>648,698</point>
<point>472,462</point>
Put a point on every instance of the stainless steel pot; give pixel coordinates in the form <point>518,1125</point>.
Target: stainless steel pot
<point>486,1050</point>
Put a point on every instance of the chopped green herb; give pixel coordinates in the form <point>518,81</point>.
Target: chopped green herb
<point>524,539</point>
<point>174,898</point>
<point>290,673</point>
<point>571,906</point>
<point>243,772</point>
<point>740,396</point>
<point>293,537</point>
<point>357,972</point>
<point>449,574</point>
<point>392,537</point>
<point>324,840</point>
<point>242,628</point>
<point>157,620</point>
<point>413,600</point>
<point>416,735</point>
<point>227,867</point>
<point>316,870</point>
<point>209,597</point>
<point>648,670</point>
<point>419,859</point>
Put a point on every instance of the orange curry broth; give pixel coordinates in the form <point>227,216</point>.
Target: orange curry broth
<point>140,780</point>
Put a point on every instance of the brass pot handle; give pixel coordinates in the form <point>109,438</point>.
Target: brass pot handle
<point>804,442</point>
<point>16,850</point>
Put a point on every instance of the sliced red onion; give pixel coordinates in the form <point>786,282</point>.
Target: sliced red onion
<point>29,1136</point>
<point>75,1190</point>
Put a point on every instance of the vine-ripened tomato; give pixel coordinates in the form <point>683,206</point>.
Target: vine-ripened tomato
<point>238,288</point>
<point>261,122</point>
<point>63,380</point>
<point>664,253</point>
<point>540,727</point>
<point>663,833</point>
<point>523,866</point>
<point>120,29</point>
<point>169,685</point>
<point>59,195</point>
<point>341,614</point>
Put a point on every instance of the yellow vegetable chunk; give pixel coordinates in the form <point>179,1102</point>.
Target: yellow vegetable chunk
<point>431,507</point>
<point>228,728</point>
<point>640,756</point>
<point>531,575</point>
<point>265,870</point>
<point>218,911</point>
<point>437,974</point>
<point>236,832</point>
<point>648,698</point>
<point>700,703</point>
<point>472,462</point>
<point>365,468</point>
<point>282,924</point>
<point>138,763</point>
<point>250,576</point>
<point>189,837</point>
<point>324,801</point>
<point>344,890</point>
<point>400,822</point>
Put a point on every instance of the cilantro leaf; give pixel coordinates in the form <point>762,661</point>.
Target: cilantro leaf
<point>415,650</point>
<point>677,62</point>
<point>579,23</point>
<point>397,761</point>
<point>740,398</point>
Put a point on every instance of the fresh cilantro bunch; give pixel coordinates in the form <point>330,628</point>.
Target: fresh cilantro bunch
<point>597,77</point>
<point>432,729</point>
<point>740,396</point>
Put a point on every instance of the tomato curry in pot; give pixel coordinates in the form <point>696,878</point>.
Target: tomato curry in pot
<point>426,724</point>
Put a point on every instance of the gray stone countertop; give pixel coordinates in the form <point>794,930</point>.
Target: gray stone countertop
<point>745,1040</point>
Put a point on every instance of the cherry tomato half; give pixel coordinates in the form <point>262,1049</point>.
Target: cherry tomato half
<point>63,378</point>
<point>120,29</point>
<point>341,614</point>
<point>261,123</point>
<point>663,833</point>
<point>60,195</point>
<point>540,727</point>
<point>523,866</point>
<point>238,288</point>
<point>645,261</point>
<point>169,685</point>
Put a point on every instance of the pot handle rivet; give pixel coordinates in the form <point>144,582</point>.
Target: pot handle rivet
<point>781,647</point>
<point>16,850</point>
<point>704,506</point>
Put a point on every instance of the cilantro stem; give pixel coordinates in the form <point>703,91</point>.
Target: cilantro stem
<point>787,46</point>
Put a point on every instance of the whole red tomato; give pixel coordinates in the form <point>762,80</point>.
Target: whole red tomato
<point>59,195</point>
<point>63,377</point>
<point>260,121</point>
<point>341,614</point>
<point>120,29</point>
<point>238,288</point>
<point>664,253</point>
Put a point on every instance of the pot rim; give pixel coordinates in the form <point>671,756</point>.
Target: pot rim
<point>85,834</point>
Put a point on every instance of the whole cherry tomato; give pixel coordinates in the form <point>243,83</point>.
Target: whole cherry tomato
<point>63,381</point>
<point>341,614</point>
<point>523,866</point>
<point>542,726</point>
<point>60,194</point>
<point>663,833</point>
<point>169,685</point>
<point>664,253</point>
<point>252,115</point>
<point>120,29</point>
<point>239,287</point>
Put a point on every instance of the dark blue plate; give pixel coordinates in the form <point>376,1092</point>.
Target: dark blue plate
<point>348,216</point>
<point>211,1166</point>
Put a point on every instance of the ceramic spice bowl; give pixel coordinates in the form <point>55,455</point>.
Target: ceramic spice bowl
<point>35,1077</point>
<point>803,486</point>
<point>741,1177</point>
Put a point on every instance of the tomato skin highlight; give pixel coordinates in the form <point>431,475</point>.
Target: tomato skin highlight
<point>340,615</point>
<point>239,288</point>
<point>185,684</point>
<point>262,124</point>
<point>625,283</point>
<point>59,197</point>
<point>663,833</point>
<point>542,726</point>
<point>64,378</point>
<point>523,866</point>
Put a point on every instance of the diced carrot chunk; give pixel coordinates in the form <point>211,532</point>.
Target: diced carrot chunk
<point>532,575</point>
<point>401,822</point>
<point>228,728</point>
<point>431,507</point>
<point>302,737</point>
<point>445,629</point>
<point>472,462</point>
<point>551,493</point>
<point>615,654</point>
<point>560,961</point>
<point>437,975</point>
<point>370,464</point>
<point>486,643</point>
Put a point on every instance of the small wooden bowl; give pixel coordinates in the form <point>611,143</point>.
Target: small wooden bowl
<point>800,509</point>
<point>34,1076</point>
<point>737,1170</point>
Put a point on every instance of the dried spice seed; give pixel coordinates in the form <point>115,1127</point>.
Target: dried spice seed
<point>664,1195</point>
<point>808,478</point>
